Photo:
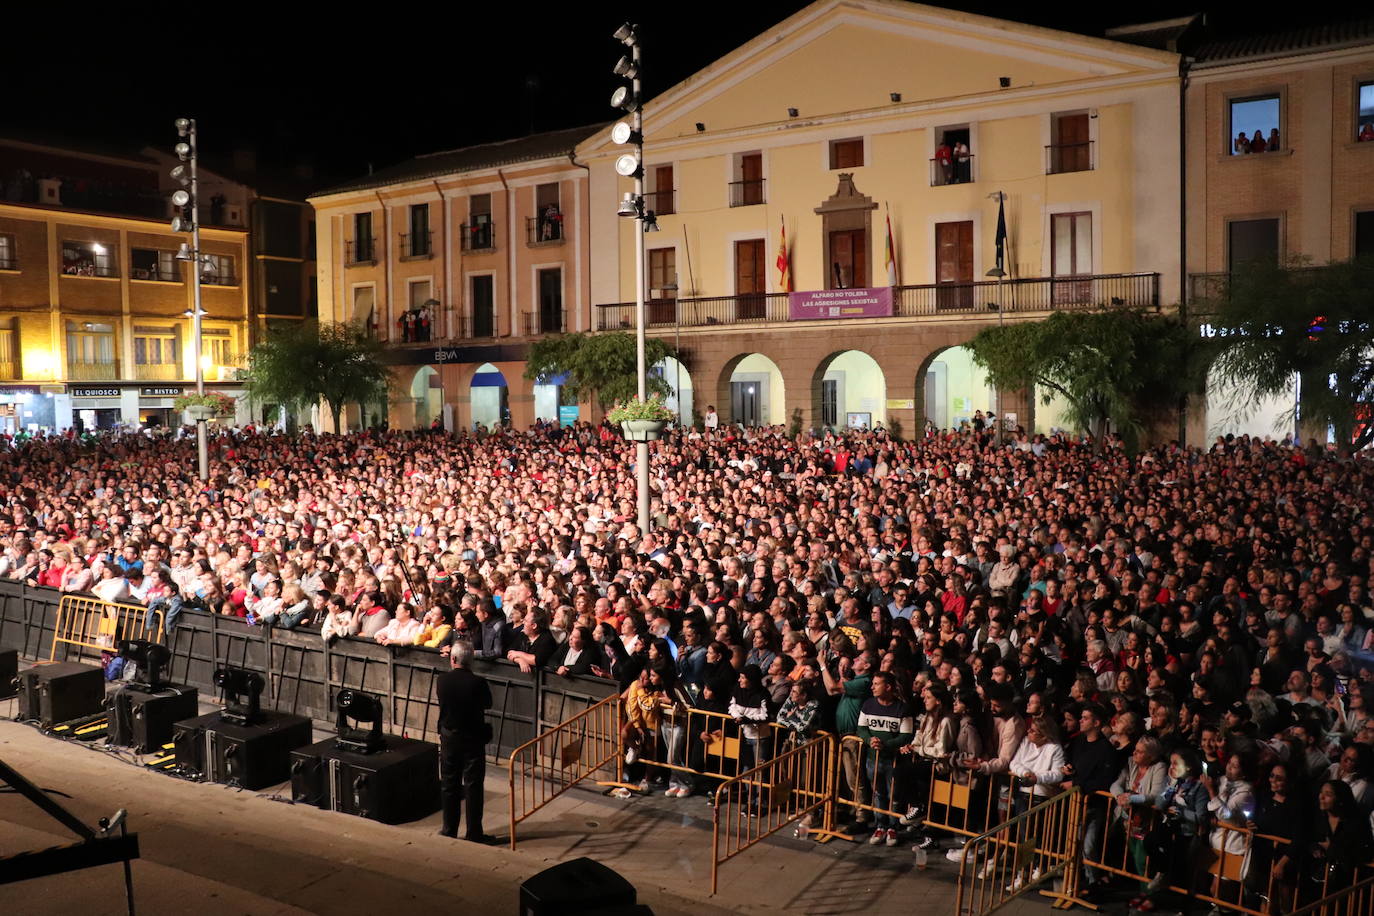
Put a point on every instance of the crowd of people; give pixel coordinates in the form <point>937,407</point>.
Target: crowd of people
<point>1187,632</point>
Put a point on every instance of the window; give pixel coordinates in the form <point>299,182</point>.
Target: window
<point>1364,112</point>
<point>361,250</point>
<point>418,241</point>
<point>153,264</point>
<point>418,321</point>
<point>219,270</point>
<point>662,285</point>
<point>478,234</point>
<point>90,344</point>
<point>847,154</point>
<point>1252,240</point>
<point>88,259</point>
<point>550,317</point>
<point>747,188</point>
<point>661,200</point>
<point>1363,246</point>
<point>548,220</point>
<point>953,159</point>
<point>1071,255</point>
<point>154,346</point>
<point>217,346</point>
<point>1071,150</point>
<point>8,259</point>
<point>1254,126</point>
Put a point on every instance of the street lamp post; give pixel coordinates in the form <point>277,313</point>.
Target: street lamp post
<point>632,165</point>
<point>189,219</point>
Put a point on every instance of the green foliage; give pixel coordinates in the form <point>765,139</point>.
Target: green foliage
<point>1112,367</point>
<point>597,364</point>
<point>222,403</point>
<point>1266,318</point>
<point>338,364</point>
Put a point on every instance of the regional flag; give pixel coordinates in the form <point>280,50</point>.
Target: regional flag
<point>890,256</point>
<point>784,267</point>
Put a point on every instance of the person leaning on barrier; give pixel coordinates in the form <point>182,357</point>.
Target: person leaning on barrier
<point>535,645</point>
<point>1092,765</point>
<point>1176,845</point>
<point>852,686</point>
<point>464,734</point>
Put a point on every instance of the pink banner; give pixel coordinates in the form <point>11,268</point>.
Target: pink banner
<point>874,302</point>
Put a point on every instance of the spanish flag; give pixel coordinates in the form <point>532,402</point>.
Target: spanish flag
<point>784,268</point>
<point>889,255</point>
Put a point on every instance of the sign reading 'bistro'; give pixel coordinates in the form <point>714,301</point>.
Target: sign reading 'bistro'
<point>165,392</point>
<point>819,304</point>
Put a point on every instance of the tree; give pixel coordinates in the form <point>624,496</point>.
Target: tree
<point>338,364</point>
<point>1273,322</point>
<point>1113,368</point>
<point>597,364</point>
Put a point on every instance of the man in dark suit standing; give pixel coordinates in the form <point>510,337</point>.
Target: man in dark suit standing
<point>464,697</point>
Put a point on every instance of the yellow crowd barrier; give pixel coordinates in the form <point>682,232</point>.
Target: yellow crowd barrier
<point>560,758</point>
<point>759,802</point>
<point>1019,854</point>
<point>98,626</point>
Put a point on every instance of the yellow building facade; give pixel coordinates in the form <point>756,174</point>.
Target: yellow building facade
<point>845,117</point>
<point>93,305</point>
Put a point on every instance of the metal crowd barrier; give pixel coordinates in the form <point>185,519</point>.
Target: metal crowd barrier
<point>545,768</point>
<point>97,626</point>
<point>1037,845</point>
<point>759,802</point>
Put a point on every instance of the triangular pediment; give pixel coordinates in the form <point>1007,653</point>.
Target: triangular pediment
<point>840,56</point>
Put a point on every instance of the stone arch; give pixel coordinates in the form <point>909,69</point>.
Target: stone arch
<point>947,374</point>
<point>848,381</point>
<point>682,400</point>
<point>765,404</point>
<point>488,395</point>
<point>427,396</point>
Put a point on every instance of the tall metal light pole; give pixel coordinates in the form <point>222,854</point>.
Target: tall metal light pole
<point>189,219</point>
<point>632,165</point>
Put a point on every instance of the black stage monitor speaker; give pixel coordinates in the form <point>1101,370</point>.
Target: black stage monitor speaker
<point>143,719</point>
<point>188,741</point>
<point>398,783</point>
<point>580,886</point>
<point>9,672</point>
<point>255,756</point>
<point>61,692</point>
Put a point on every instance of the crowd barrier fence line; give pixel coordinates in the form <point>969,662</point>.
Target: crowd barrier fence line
<point>98,626</point>
<point>560,758</point>
<point>757,803</point>
<point>1020,853</point>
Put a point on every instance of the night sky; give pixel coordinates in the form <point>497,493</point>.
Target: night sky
<point>346,85</point>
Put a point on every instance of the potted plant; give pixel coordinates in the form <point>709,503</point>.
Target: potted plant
<point>642,421</point>
<point>197,407</point>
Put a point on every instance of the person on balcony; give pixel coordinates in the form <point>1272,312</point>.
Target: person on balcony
<point>944,160</point>
<point>963,163</point>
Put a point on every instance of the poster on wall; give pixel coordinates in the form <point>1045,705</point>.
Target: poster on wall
<point>857,420</point>
<point>567,414</point>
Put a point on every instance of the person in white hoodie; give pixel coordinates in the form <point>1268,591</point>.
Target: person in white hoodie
<point>1037,771</point>
<point>1231,801</point>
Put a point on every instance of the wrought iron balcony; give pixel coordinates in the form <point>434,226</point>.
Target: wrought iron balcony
<point>417,245</point>
<point>92,372</point>
<point>360,251</point>
<point>545,321</point>
<point>747,193</point>
<point>1069,157</point>
<point>545,229</point>
<point>479,236</point>
<point>953,172</point>
<point>662,203</point>
<point>1028,295</point>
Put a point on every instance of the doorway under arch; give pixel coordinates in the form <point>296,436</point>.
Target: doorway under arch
<point>955,388</point>
<point>757,396</point>
<point>849,390</point>
<point>488,396</point>
<point>427,390</point>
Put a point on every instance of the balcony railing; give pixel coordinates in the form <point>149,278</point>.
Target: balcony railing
<point>360,251</point>
<point>545,321</point>
<point>545,229</point>
<point>747,193</point>
<point>9,369</point>
<point>157,372</point>
<point>1069,157</point>
<point>479,236</point>
<point>663,203</point>
<point>481,325</point>
<point>221,280</point>
<point>92,372</point>
<point>943,173</point>
<point>417,245</point>
<point>155,273</point>
<point>1035,294</point>
<point>87,269</point>
<point>8,262</point>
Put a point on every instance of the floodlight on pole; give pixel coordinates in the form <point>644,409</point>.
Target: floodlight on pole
<point>189,221</point>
